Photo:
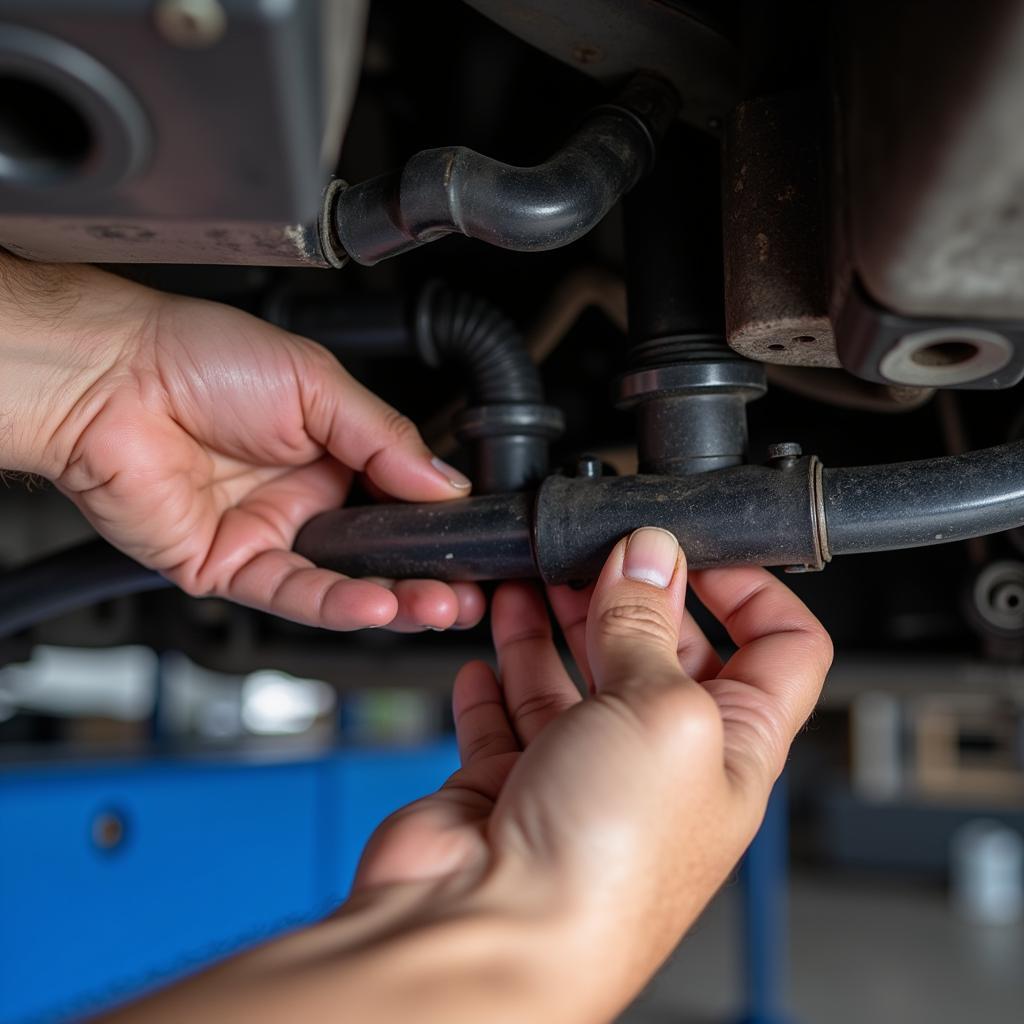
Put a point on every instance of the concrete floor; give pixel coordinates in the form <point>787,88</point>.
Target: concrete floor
<point>864,951</point>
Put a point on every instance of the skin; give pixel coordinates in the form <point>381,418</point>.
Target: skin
<point>555,871</point>
<point>199,439</point>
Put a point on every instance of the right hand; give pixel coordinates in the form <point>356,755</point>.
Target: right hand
<point>622,813</point>
<point>554,872</point>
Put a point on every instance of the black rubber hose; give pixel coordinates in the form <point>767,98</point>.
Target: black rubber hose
<point>485,538</point>
<point>529,209</point>
<point>744,515</point>
<point>566,533</point>
<point>458,327</point>
<point>444,325</point>
<point>73,578</point>
<point>747,515</point>
<point>507,424</point>
<point>932,501</point>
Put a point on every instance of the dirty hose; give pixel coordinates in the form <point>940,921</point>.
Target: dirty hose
<point>745,515</point>
<point>455,190</point>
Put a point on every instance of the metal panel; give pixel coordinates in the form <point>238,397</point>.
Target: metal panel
<point>215,152</point>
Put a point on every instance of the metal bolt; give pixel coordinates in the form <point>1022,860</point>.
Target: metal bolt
<point>589,467</point>
<point>785,450</point>
<point>784,454</point>
<point>108,829</point>
<point>191,24</point>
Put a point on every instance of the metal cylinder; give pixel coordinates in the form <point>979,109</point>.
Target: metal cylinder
<point>689,388</point>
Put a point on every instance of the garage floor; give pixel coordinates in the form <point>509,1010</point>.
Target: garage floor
<point>863,951</point>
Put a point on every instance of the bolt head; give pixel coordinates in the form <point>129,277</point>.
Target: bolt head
<point>784,450</point>
<point>190,24</point>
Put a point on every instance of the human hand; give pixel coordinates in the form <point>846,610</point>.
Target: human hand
<point>611,819</point>
<point>199,439</point>
<point>556,870</point>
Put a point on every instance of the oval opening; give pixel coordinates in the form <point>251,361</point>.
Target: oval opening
<point>43,135</point>
<point>945,353</point>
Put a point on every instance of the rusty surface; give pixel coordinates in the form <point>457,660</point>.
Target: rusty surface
<point>773,218</point>
<point>142,240</point>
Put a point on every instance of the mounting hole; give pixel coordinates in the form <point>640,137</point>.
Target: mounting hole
<point>945,353</point>
<point>804,339</point>
<point>66,121</point>
<point>776,348</point>
<point>943,357</point>
<point>43,134</point>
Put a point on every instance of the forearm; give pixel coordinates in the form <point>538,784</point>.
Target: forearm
<point>61,329</point>
<point>390,957</point>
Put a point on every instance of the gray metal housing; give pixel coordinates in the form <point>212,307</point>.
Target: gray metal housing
<point>214,151</point>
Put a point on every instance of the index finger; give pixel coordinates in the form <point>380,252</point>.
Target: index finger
<point>784,651</point>
<point>366,434</point>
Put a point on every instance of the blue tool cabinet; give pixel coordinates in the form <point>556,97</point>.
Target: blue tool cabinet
<point>118,876</point>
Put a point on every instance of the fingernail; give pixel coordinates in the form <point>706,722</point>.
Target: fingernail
<point>435,629</point>
<point>458,480</point>
<point>651,556</point>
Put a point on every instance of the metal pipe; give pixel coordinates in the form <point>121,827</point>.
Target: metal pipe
<point>455,190</point>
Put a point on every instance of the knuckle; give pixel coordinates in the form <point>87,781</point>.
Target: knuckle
<point>318,355</point>
<point>823,644</point>
<point>537,704</point>
<point>674,715</point>
<point>691,717</point>
<point>399,427</point>
<point>637,622</point>
<point>492,739</point>
<point>817,646</point>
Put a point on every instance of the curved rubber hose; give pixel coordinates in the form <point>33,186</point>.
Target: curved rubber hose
<point>455,190</point>
<point>930,501</point>
<point>73,578</point>
<point>462,328</point>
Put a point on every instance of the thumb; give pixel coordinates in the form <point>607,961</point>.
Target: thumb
<point>636,611</point>
<point>366,434</point>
